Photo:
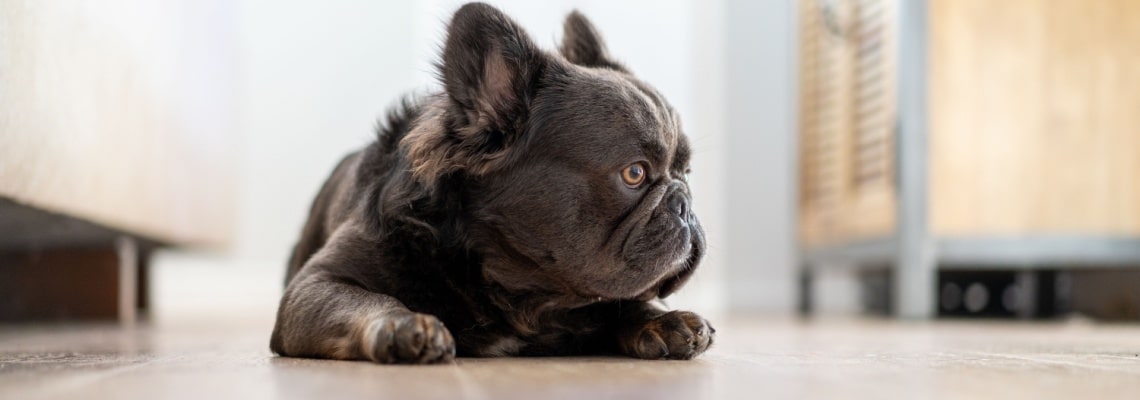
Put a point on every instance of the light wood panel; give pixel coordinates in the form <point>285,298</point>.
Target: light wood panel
<point>847,108</point>
<point>1035,117</point>
<point>121,114</point>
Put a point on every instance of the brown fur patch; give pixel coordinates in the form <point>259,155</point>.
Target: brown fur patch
<point>434,153</point>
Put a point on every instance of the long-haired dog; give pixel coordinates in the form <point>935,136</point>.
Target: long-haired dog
<point>538,205</point>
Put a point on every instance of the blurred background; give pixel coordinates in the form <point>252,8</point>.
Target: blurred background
<point>919,159</point>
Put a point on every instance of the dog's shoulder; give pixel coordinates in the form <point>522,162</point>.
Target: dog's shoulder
<point>354,185</point>
<point>395,125</point>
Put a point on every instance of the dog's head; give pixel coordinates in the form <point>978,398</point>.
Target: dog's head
<point>575,171</point>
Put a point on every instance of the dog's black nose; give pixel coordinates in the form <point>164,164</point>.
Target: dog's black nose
<point>679,203</point>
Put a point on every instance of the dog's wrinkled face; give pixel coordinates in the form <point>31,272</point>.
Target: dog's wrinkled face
<point>600,200</point>
<point>577,169</point>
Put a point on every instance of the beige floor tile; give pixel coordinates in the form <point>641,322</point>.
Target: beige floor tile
<point>753,359</point>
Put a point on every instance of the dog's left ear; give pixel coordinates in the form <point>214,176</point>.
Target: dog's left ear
<point>488,69</point>
<point>583,45</point>
<point>488,65</point>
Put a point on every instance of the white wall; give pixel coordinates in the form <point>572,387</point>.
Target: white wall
<point>314,78</point>
<point>316,75</point>
<point>761,154</point>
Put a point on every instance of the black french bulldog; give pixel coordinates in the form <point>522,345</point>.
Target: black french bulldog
<point>538,206</point>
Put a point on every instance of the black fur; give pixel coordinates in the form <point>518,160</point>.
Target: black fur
<point>491,219</point>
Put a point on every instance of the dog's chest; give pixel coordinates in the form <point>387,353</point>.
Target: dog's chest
<point>577,337</point>
<point>502,346</point>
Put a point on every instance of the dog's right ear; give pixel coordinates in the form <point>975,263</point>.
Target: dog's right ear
<point>488,70</point>
<point>583,45</point>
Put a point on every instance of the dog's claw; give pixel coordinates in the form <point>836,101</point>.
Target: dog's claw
<point>678,335</point>
<point>410,338</point>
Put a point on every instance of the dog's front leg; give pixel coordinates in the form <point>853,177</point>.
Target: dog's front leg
<point>326,313</point>
<point>646,330</point>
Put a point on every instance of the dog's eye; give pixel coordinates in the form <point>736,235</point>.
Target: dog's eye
<point>634,174</point>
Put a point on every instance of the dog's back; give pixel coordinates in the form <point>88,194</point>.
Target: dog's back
<point>355,172</point>
<point>319,224</point>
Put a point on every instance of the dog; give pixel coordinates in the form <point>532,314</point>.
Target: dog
<point>537,206</point>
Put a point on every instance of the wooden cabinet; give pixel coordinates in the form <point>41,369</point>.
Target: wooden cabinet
<point>847,118</point>
<point>1034,117</point>
<point>968,134</point>
<point>117,135</point>
<point>120,116</point>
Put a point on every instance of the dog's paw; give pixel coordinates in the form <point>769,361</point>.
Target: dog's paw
<point>409,338</point>
<point>676,335</point>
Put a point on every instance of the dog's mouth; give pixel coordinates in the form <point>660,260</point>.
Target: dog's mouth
<point>658,250</point>
<point>651,253</point>
<point>696,252</point>
<point>672,261</point>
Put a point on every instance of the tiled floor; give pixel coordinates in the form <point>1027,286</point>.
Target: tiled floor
<point>753,359</point>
